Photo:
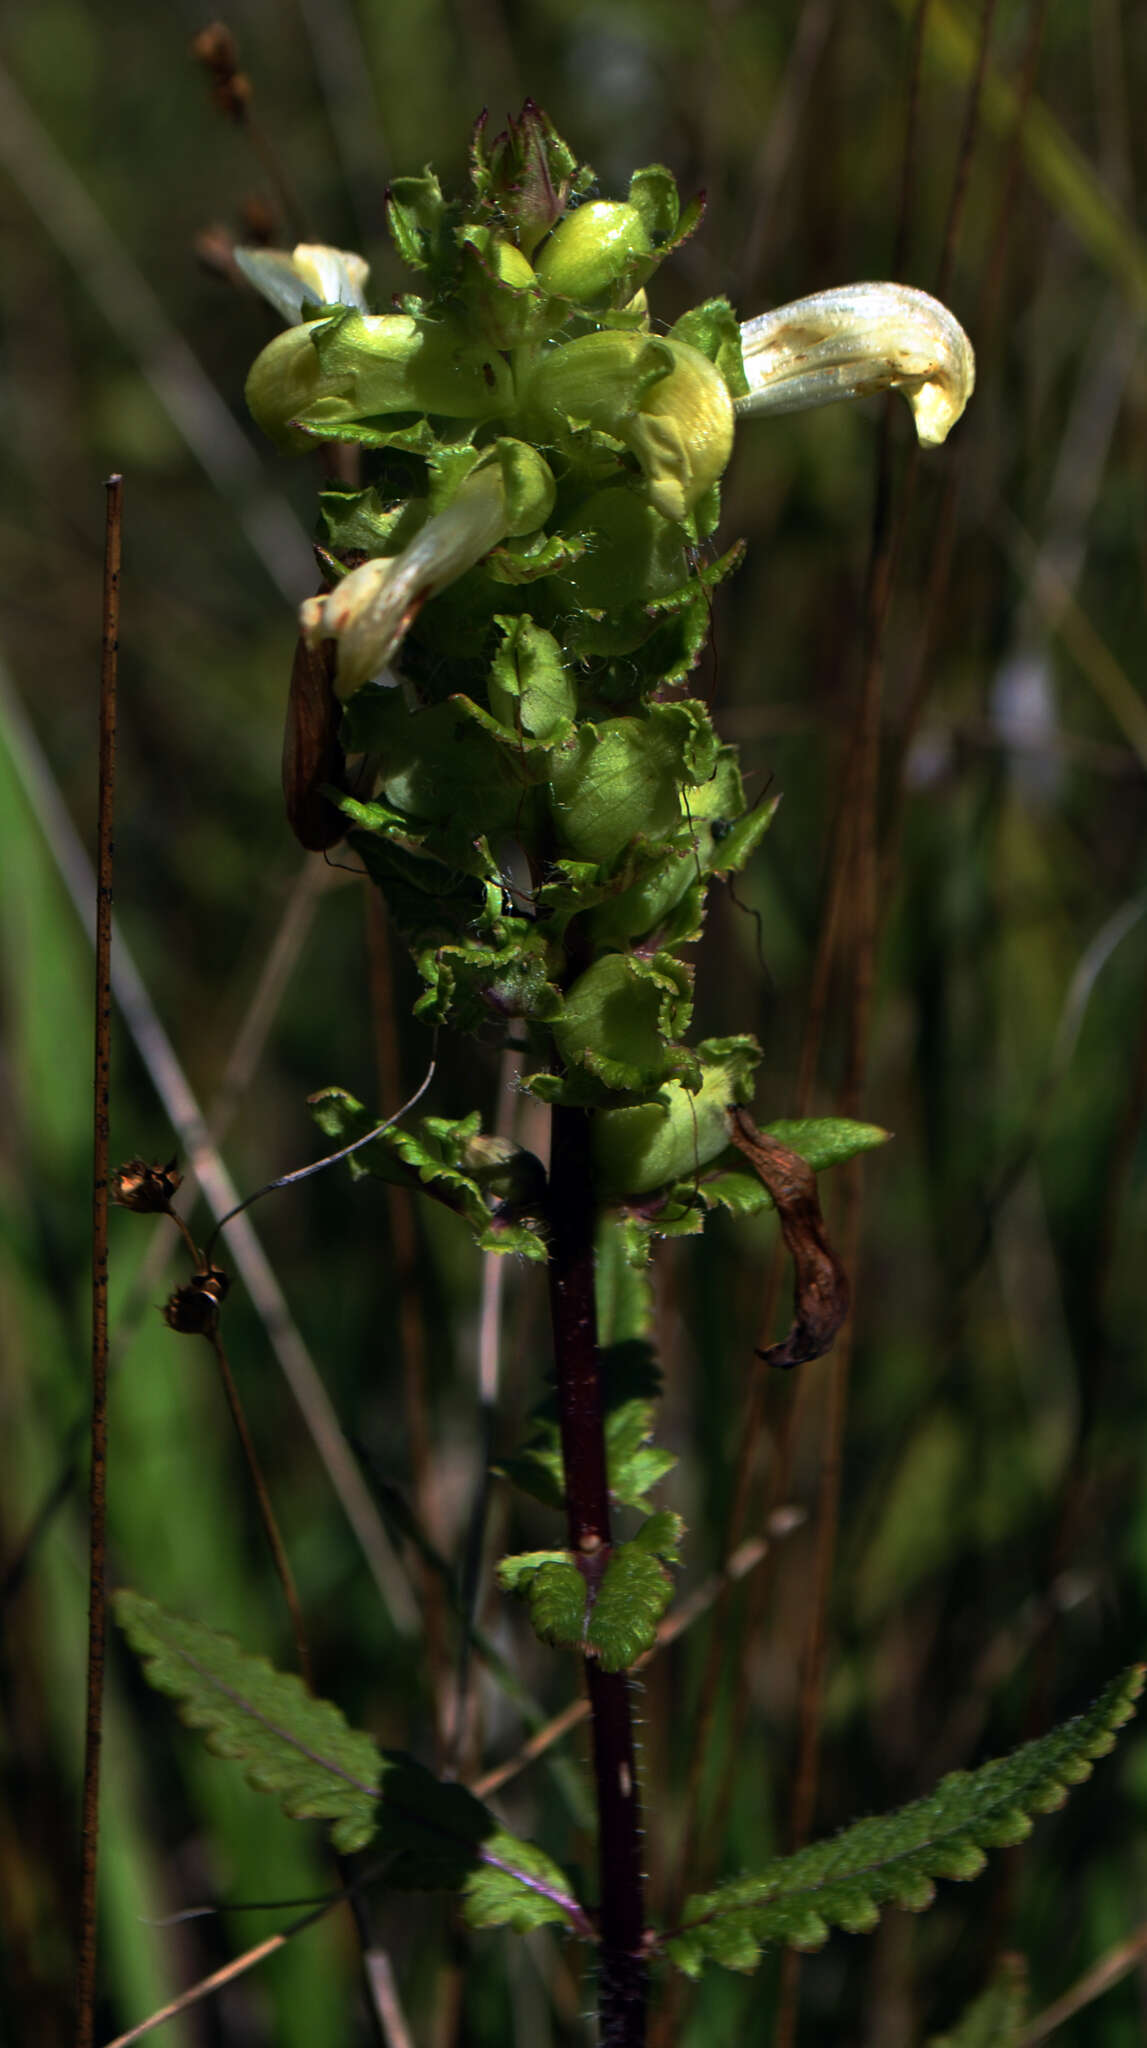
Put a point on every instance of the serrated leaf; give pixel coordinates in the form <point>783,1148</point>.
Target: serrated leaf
<point>633,1595</point>
<point>290,1743</point>
<point>892,1859</point>
<point>517,1886</point>
<point>434,1836</point>
<point>821,1141</point>
<point>488,1185</point>
<point>549,1580</point>
<point>610,1614</point>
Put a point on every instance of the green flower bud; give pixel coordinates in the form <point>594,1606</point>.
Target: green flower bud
<point>663,399</point>
<point>503,290</point>
<point>593,249</point>
<point>359,365</point>
<point>282,382</point>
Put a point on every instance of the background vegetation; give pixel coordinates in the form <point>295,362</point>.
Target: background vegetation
<point>991,1566</point>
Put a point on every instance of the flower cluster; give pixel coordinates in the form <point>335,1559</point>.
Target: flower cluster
<point>542,469</point>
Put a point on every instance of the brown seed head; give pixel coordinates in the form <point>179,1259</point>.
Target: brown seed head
<point>193,1310</point>
<point>146,1189</point>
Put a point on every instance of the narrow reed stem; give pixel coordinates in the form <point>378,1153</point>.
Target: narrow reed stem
<point>97,1525</point>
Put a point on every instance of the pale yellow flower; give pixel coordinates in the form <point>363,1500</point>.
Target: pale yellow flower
<point>857,339</point>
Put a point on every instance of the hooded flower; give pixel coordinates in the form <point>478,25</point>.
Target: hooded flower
<point>854,340</point>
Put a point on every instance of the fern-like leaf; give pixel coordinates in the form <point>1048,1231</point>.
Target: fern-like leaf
<point>433,1836</point>
<point>290,1743</point>
<point>893,1858</point>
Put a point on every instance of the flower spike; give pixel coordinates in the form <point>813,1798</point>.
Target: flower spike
<point>854,340</point>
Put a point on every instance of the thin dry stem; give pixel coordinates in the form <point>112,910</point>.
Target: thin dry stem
<point>174,1091</point>
<point>267,1516</point>
<point>101,1167</point>
<point>1117,1963</point>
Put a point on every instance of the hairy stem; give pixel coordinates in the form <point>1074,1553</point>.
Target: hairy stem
<point>623,1978</point>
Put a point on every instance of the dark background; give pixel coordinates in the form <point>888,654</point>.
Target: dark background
<point>991,1570</point>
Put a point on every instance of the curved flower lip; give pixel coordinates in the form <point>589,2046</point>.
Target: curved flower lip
<point>312,275</point>
<point>856,339</point>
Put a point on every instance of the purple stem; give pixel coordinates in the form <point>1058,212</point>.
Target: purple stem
<point>572,1216</point>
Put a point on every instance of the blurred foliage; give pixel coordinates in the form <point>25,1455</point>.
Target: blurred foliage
<point>992,1566</point>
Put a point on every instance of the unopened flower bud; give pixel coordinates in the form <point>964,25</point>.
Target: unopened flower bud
<point>372,609</point>
<point>503,289</point>
<point>855,340</point>
<point>593,248</point>
<point>331,373</point>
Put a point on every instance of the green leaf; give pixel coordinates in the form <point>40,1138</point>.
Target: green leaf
<point>518,1886</point>
<point>633,1596</point>
<point>631,1383</point>
<point>653,1144</point>
<point>434,1836</point>
<point>525,560</point>
<point>530,690</point>
<point>549,1580</point>
<point>826,1140</point>
<point>419,221</point>
<point>623,1018</point>
<point>995,2019</point>
<point>610,1614</point>
<point>822,1141</point>
<point>621,779</point>
<point>361,522</point>
<point>290,1743</point>
<point>484,1180</point>
<point>893,1858</point>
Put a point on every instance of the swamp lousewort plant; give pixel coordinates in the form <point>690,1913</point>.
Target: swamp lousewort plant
<point>518,594</point>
